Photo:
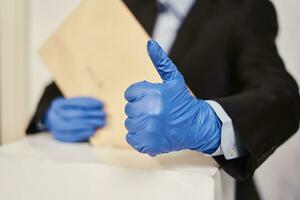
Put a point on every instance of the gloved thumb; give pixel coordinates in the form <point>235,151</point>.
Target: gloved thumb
<point>163,64</point>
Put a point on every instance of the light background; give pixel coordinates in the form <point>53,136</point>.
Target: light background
<point>279,177</point>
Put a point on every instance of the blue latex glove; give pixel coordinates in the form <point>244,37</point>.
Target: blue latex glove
<point>165,117</point>
<point>74,119</point>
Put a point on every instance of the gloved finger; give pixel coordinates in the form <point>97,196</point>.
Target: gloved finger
<point>138,90</point>
<point>131,110</point>
<point>77,124</point>
<point>79,113</point>
<point>136,124</point>
<point>163,64</point>
<point>135,142</point>
<point>78,102</point>
<point>139,142</point>
<point>149,104</point>
<point>54,121</point>
<point>89,122</point>
<point>68,136</point>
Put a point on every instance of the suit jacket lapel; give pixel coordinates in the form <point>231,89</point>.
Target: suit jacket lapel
<point>145,11</point>
<point>190,28</point>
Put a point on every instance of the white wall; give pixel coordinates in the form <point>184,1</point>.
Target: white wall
<point>13,69</point>
<point>279,177</point>
<point>289,36</point>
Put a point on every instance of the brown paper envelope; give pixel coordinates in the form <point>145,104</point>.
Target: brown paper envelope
<point>98,51</point>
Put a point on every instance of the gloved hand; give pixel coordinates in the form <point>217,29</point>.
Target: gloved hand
<point>165,117</point>
<point>74,119</point>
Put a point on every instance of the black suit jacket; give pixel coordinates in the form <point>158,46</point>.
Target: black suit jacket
<point>226,51</point>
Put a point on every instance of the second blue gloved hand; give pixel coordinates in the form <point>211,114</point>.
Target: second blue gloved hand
<point>165,117</point>
<point>75,119</point>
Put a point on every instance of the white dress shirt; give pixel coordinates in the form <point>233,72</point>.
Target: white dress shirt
<point>171,15</point>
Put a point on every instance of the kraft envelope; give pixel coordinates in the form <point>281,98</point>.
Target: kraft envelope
<point>98,51</point>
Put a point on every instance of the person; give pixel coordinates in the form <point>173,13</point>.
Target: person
<point>245,103</point>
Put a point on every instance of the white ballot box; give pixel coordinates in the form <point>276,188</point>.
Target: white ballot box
<point>40,168</point>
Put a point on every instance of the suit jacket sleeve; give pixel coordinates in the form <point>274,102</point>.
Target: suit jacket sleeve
<point>265,110</point>
<point>51,92</point>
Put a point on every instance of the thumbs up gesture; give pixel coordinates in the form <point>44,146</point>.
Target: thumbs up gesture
<point>165,117</point>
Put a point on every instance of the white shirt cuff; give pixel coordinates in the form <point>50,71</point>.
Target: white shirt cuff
<point>230,145</point>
